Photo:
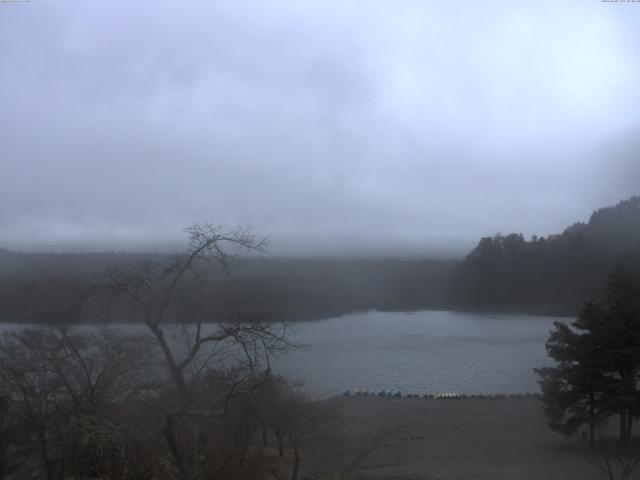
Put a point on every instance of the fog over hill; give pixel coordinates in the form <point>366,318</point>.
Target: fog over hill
<point>551,275</point>
<point>336,128</point>
<point>548,275</point>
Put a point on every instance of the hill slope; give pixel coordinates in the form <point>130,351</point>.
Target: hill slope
<point>547,275</point>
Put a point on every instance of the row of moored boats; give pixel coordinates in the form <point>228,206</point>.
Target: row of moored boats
<point>438,396</point>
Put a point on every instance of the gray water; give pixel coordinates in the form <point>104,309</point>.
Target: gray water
<point>419,352</point>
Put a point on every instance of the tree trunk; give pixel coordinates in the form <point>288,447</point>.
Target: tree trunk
<point>173,444</point>
<point>177,376</point>
<point>3,456</point>
<point>264,437</point>
<point>280,437</point>
<point>174,370</point>
<point>280,447</point>
<point>296,462</point>
<point>45,456</point>
<point>592,419</point>
<point>624,435</point>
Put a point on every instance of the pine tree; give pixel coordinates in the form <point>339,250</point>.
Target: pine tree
<point>597,372</point>
<point>574,391</point>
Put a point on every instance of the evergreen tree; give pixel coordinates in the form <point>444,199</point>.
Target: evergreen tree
<point>574,391</point>
<point>622,340</point>
<point>597,372</point>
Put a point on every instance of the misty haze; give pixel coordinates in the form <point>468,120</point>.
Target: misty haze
<point>319,240</point>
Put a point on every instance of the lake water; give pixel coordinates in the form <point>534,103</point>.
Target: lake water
<point>418,352</point>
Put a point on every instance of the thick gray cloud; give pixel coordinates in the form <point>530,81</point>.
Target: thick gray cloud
<point>366,126</point>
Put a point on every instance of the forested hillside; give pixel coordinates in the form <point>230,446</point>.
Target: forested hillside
<point>40,287</point>
<point>547,275</point>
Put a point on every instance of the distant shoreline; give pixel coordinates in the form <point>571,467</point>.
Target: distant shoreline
<point>320,317</point>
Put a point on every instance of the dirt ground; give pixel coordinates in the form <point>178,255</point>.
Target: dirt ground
<point>468,439</point>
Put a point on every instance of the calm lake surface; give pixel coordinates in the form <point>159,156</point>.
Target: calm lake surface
<point>420,352</point>
<point>417,352</point>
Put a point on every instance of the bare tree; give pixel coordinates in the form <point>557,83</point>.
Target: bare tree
<point>311,428</point>
<point>613,459</point>
<point>283,408</point>
<point>61,389</point>
<point>33,393</point>
<point>4,434</point>
<point>168,297</point>
<point>305,418</point>
<point>102,368</point>
<point>177,402</point>
<point>366,444</point>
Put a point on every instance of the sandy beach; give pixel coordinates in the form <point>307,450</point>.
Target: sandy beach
<point>469,439</point>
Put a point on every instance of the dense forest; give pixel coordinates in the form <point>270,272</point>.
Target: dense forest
<point>36,287</point>
<point>547,275</point>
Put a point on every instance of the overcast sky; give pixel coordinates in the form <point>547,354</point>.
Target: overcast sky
<point>363,126</point>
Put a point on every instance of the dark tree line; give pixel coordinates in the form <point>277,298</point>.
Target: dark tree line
<point>547,275</point>
<point>34,287</point>
<point>597,372</point>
